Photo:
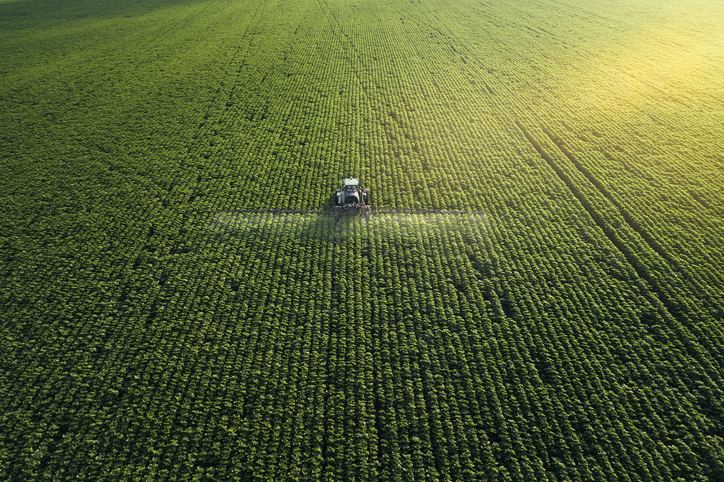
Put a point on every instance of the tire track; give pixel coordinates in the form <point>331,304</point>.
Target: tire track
<point>672,264</point>
<point>580,197</point>
<point>677,310</point>
<point>609,231</point>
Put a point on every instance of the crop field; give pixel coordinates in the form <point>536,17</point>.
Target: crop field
<point>569,325</point>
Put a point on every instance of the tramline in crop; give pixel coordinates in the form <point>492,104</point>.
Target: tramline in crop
<point>536,293</point>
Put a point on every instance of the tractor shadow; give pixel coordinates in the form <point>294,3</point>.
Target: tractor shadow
<point>33,14</point>
<point>306,229</point>
<point>315,228</point>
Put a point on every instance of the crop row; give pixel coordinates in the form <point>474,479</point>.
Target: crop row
<point>421,346</point>
<point>565,334</point>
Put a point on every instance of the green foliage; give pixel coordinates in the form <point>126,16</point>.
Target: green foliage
<point>574,332</point>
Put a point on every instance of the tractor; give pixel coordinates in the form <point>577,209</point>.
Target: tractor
<point>352,198</point>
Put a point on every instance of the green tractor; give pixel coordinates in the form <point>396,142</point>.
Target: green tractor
<point>352,198</point>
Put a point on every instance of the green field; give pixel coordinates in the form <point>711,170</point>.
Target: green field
<point>573,330</point>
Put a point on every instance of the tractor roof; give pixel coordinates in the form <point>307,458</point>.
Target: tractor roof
<point>351,182</point>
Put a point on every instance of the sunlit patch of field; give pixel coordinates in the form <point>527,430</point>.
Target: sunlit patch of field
<point>679,58</point>
<point>178,301</point>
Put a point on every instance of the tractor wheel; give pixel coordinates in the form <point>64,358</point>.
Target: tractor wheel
<point>367,196</point>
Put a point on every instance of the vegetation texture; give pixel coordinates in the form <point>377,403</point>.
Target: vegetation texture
<point>573,332</point>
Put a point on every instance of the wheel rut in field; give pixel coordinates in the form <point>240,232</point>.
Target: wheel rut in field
<point>669,304</point>
<point>670,263</point>
<point>605,193</point>
<point>608,230</point>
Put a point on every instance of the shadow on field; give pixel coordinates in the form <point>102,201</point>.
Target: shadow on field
<point>23,14</point>
<point>316,228</point>
<point>303,228</point>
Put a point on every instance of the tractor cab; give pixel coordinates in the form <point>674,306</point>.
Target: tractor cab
<point>350,192</point>
<point>351,198</point>
<point>350,195</point>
